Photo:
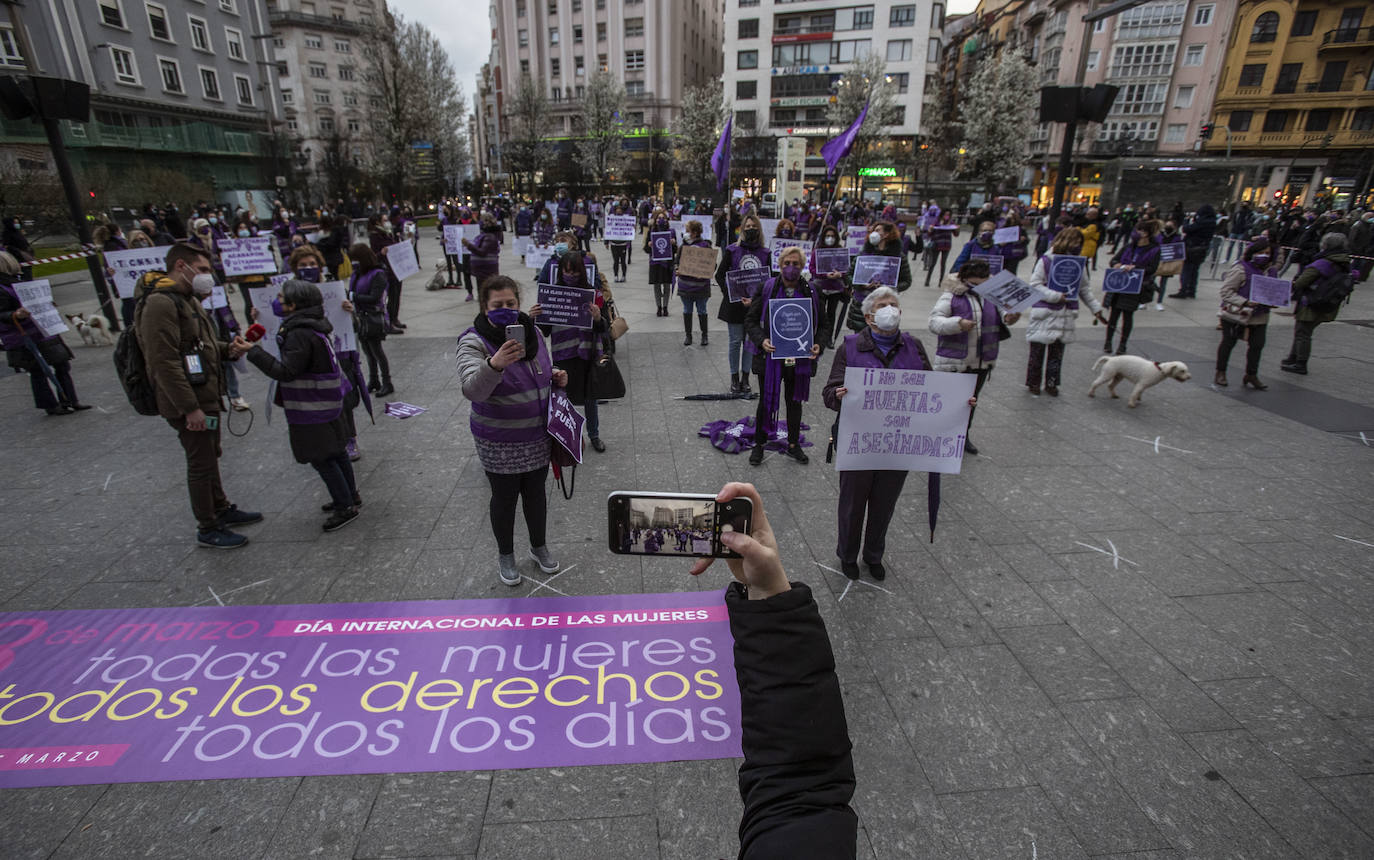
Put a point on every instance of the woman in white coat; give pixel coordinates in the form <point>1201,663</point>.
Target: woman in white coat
<point>970,330</point>
<point>1052,319</point>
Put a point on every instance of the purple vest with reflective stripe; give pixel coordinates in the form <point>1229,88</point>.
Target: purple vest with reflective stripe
<point>315,398</point>
<point>517,410</point>
<point>956,345</point>
<point>908,356</point>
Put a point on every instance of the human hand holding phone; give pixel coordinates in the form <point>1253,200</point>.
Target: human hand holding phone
<point>759,566</point>
<point>509,353</point>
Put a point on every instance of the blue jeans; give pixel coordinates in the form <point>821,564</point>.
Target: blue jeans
<point>688,303</point>
<point>593,417</point>
<point>736,331</point>
<point>1237,245</point>
<point>231,380</point>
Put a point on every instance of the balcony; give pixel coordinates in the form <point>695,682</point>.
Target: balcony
<point>1361,38</point>
<point>1113,148</point>
<point>320,22</point>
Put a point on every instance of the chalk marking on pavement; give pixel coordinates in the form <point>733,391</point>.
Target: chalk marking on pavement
<point>231,591</point>
<point>1352,540</point>
<point>1156,443</point>
<point>1157,438</point>
<point>1363,439</point>
<point>216,596</point>
<point>846,591</point>
<point>859,581</point>
<point>1034,856</point>
<point>107,482</point>
<point>1115,556</point>
<point>538,584</point>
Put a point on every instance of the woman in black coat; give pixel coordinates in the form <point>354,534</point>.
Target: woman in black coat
<point>311,389</point>
<point>1197,240</point>
<point>20,337</point>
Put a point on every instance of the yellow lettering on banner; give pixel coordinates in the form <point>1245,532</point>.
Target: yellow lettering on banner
<point>548,691</point>
<point>48,698</point>
<point>719,690</point>
<point>529,690</point>
<point>298,695</point>
<point>602,678</point>
<point>399,704</point>
<point>472,693</point>
<point>225,698</point>
<point>425,694</point>
<point>649,686</point>
<point>240,711</point>
<point>178,698</point>
<point>102,696</point>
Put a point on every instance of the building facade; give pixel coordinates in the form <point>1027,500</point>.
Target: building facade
<point>783,61</point>
<point>176,85</point>
<point>1297,94</point>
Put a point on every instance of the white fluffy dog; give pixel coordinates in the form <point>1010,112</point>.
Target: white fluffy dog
<point>1111,369</point>
<point>90,328</point>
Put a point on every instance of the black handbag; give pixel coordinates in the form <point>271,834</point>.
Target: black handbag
<point>607,383</point>
<point>371,325</point>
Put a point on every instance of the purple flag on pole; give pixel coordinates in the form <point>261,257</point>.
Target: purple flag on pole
<point>838,147</point>
<point>720,159</point>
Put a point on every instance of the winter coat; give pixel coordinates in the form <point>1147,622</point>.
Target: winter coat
<point>1092,235</point>
<point>733,313</point>
<point>943,322</point>
<point>756,322</point>
<point>1145,259</point>
<point>1047,325</point>
<point>168,324</point>
<point>484,258</point>
<point>1198,232</point>
<point>303,351</point>
<point>524,222</point>
<point>855,318</point>
<point>53,349</point>
<point>1234,305</point>
<point>660,273</point>
<point>1338,260</point>
<point>864,343</point>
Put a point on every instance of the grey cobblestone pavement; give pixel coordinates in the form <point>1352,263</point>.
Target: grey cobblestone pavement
<point>1138,634</point>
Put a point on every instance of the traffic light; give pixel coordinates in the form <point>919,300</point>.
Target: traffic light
<point>1206,131</point>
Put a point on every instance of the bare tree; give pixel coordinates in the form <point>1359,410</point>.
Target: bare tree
<point>601,151</point>
<point>526,151</point>
<point>697,131</point>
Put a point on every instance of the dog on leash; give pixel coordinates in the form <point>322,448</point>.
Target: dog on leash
<point>1111,369</point>
<point>90,328</point>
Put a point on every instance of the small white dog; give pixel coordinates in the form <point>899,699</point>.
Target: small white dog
<point>89,328</point>
<point>1111,369</point>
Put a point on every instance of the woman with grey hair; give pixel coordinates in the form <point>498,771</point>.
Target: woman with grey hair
<point>311,387</point>
<point>28,349</point>
<point>1332,263</point>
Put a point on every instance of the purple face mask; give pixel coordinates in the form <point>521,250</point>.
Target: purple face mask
<point>790,271</point>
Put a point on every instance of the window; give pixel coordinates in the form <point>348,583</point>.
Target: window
<point>579,68</point>
<point>1093,58</point>
<point>1143,61</point>
<point>228,6</point>
<point>522,38</point>
<point>553,35</point>
<point>244,88</point>
<point>1240,120</point>
<point>355,126</point>
<point>577,34</point>
<point>282,70</point>
<point>1251,75</point>
<point>292,124</point>
<point>278,42</point>
<point>1362,120</point>
<point>1287,80</point>
<point>933,50</point>
<point>314,40</point>
<point>601,31</point>
<point>322,97</point>
<point>1304,23</point>
<point>209,83</point>
<point>1275,120</point>
<point>171,75</point>
<point>1202,16</point>
<point>745,60</point>
<point>1100,25</point>
<point>846,51</point>
<point>634,61</point>
<point>1266,28</point>
<point>863,19</point>
<point>326,124</point>
<point>634,27</point>
<point>200,34</point>
<point>343,46</point>
<point>125,70</point>
<point>555,67</point>
<point>1140,99</point>
<point>898,50</point>
<point>1319,120</point>
<point>901,82</point>
<point>749,28</point>
<point>524,67</point>
<point>519,8</point>
<point>346,73</point>
<point>634,88</point>
<point>1183,97</point>
<point>1193,54</point>
<point>746,119</point>
<point>1175,132</point>
<point>318,70</point>
<point>157,23</point>
<point>1332,75</point>
<point>336,12</point>
<point>937,16</point>
<point>902,16</point>
<point>1349,27</point>
<point>111,14</point>
<point>746,89</point>
<point>601,63</point>
<point>1158,20</point>
<point>288,97</point>
<point>576,6</point>
<point>350,99</point>
<point>233,40</point>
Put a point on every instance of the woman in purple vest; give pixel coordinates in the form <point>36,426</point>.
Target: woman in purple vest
<point>484,254</point>
<point>748,253</point>
<point>283,228</point>
<point>1053,318</point>
<point>830,285</point>
<point>694,292</point>
<point>940,238</point>
<point>661,273</point>
<point>508,382</point>
<point>1240,318</point>
<point>968,328</point>
<point>577,349</point>
<point>311,387</point>
<point>1141,251</point>
<point>367,288</point>
<point>27,349</point>
<point>787,380</point>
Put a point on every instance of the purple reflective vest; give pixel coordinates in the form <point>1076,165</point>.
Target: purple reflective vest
<point>956,345</point>
<point>907,357</point>
<point>314,398</point>
<point>517,410</point>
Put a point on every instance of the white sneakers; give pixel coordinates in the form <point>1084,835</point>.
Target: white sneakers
<point>544,559</point>
<point>509,575</point>
<point>1159,306</point>
<point>239,404</point>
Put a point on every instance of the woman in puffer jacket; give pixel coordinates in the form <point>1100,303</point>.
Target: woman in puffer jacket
<point>1054,317</point>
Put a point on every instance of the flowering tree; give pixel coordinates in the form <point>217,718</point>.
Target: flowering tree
<point>998,112</point>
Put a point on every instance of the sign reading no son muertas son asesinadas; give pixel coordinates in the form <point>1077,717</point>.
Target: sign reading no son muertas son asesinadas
<point>147,695</point>
<point>910,420</point>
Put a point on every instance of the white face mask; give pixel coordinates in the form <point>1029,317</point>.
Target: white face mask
<point>830,240</point>
<point>203,284</point>
<point>887,317</point>
<point>875,237</point>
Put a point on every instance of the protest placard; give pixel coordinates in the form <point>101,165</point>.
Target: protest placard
<point>910,420</point>
<point>36,297</point>
<point>1066,273</point>
<point>1170,251</point>
<point>831,260</point>
<point>776,246</point>
<point>994,261</point>
<point>679,230</point>
<point>565,423</point>
<point>402,410</point>
<point>770,226</point>
<point>334,293</point>
<point>855,238</point>
<point>401,258</point>
<point>661,247</point>
<point>267,318</point>
<point>1006,235</point>
<point>567,306</point>
<point>1274,292</point>
<point>216,299</point>
<point>312,690</point>
<point>132,264</point>
<point>1011,294</point>
<point>453,240</point>
<point>536,257</point>
<point>876,268</point>
<point>745,283</point>
<point>579,219</point>
<point>620,228</point>
<point>790,327</point>
<point>251,256</point>
<point>697,262</point>
<point>1123,281</point>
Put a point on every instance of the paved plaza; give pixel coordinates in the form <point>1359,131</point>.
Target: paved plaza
<point>1139,633</point>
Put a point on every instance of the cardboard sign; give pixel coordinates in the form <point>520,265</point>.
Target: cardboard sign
<point>251,256</point>
<point>36,297</point>
<point>1274,292</point>
<point>994,261</point>
<point>876,268</point>
<point>1006,235</point>
<point>790,327</point>
<point>776,246</point>
<point>566,306</point>
<point>334,293</point>
<point>579,219</point>
<point>827,260</point>
<point>1122,281</point>
<point>697,262</point>
<point>769,225</point>
<point>661,247</point>
<point>565,423</point>
<point>1065,274</point>
<point>401,258</point>
<point>909,420</point>
<point>620,228</point>
<point>743,284</point>
<point>131,265</point>
<point>1011,294</point>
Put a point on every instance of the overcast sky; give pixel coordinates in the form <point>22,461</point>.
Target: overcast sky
<point>465,29</point>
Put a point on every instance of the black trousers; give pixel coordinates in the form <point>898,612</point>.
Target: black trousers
<point>376,359</point>
<point>393,298</point>
<point>337,473</point>
<point>43,394</point>
<point>870,491</point>
<point>1049,361</point>
<point>793,410</point>
<point>1127,319</point>
<point>528,489</point>
<point>620,254</point>
<point>1232,332</point>
<point>830,304</point>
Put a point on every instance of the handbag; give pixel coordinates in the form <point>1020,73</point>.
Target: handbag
<point>371,325</point>
<point>618,323</point>
<point>607,383</point>
<point>1169,268</point>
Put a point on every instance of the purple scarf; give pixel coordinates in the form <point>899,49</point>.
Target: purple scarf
<point>772,369</point>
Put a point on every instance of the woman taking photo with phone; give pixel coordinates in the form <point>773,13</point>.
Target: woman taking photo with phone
<point>505,369</point>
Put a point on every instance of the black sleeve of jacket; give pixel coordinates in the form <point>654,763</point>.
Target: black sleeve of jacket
<point>798,773</point>
<point>754,328</point>
<point>297,356</point>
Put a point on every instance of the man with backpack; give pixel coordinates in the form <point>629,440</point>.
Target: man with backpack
<point>1319,290</point>
<point>183,361</point>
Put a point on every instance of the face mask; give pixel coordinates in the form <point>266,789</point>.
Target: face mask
<point>875,237</point>
<point>1260,260</point>
<point>985,237</point>
<point>203,284</point>
<point>1136,235</point>
<point>212,219</point>
<point>309,273</point>
<point>830,240</point>
<point>142,244</point>
<point>544,216</point>
<point>386,225</point>
<point>277,309</point>
<point>751,235</point>
<point>887,317</point>
<point>560,248</point>
<point>243,234</point>
<point>791,272</point>
<point>502,317</point>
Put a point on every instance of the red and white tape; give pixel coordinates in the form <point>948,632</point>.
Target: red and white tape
<point>77,256</point>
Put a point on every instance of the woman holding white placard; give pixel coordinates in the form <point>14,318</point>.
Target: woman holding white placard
<point>1242,319</point>
<point>28,349</point>
<point>1054,317</point>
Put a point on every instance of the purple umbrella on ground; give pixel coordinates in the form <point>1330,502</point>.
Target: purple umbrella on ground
<point>933,501</point>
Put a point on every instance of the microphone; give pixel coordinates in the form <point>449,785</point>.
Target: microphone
<point>254,333</point>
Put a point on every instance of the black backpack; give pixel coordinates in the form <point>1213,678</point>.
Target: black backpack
<point>1330,292</point>
<point>128,359</point>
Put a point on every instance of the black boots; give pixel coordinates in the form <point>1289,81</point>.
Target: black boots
<point>386,388</point>
<point>701,320</point>
<point>687,327</point>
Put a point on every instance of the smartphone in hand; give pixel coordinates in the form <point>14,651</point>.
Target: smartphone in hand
<point>516,333</point>
<point>684,525</point>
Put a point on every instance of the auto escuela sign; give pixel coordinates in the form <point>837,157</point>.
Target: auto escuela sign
<point>147,695</point>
